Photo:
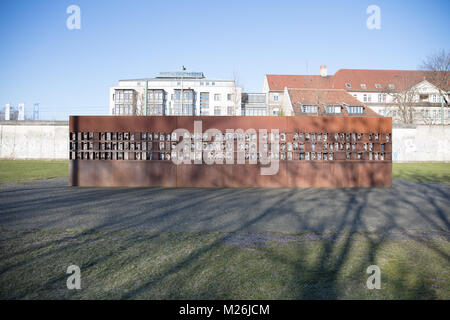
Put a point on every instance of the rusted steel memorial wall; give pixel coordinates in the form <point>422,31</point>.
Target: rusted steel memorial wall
<point>230,151</point>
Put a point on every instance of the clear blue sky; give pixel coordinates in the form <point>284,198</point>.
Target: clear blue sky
<point>69,71</point>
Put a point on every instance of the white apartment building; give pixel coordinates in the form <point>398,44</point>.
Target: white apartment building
<point>387,92</point>
<point>176,93</point>
<point>254,104</point>
<point>424,100</point>
<point>405,95</point>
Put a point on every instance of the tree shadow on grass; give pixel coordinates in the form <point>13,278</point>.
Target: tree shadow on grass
<point>216,269</point>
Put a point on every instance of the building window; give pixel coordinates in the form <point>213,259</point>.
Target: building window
<point>204,103</point>
<point>213,83</point>
<point>124,102</point>
<point>436,113</point>
<point>377,85</point>
<point>355,109</point>
<point>391,86</point>
<point>275,98</point>
<point>255,111</point>
<point>363,85</point>
<point>155,102</point>
<point>123,109</point>
<point>348,85</point>
<point>309,109</point>
<point>333,109</point>
<point>183,106</point>
<point>230,111</point>
<point>436,98</point>
<point>365,98</point>
<point>217,97</point>
<point>217,111</point>
<point>229,96</point>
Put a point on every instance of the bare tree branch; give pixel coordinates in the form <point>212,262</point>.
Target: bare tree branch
<point>438,67</point>
<point>404,98</point>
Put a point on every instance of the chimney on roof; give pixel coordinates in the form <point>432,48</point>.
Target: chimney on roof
<point>323,71</point>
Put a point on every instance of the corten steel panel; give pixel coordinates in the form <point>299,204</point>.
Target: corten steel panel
<point>232,122</point>
<point>127,173</point>
<point>139,173</point>
<point>286,124</point>
<point>374,174</point>
<point>122,123</point>
<point>345,174</point>
<point>237,175</point>
<point>310,174</point>
<point>90,173</point>
<point>291,173</point>
<point>303,174</point>
<point>339,124</point>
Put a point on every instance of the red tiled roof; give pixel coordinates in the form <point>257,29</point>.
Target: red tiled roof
<point>401,79</point>
<point>325,97</point>
<point>278,82</point>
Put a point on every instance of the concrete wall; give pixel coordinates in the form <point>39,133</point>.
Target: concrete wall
<point>50,140</point>
<point>421,143</point>
<point>34,140</point>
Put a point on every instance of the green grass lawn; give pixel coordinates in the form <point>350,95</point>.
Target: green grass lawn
<point>142,265</point>
<point>17,171</point>
<point>422,172</point>
<point>27,170</point>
